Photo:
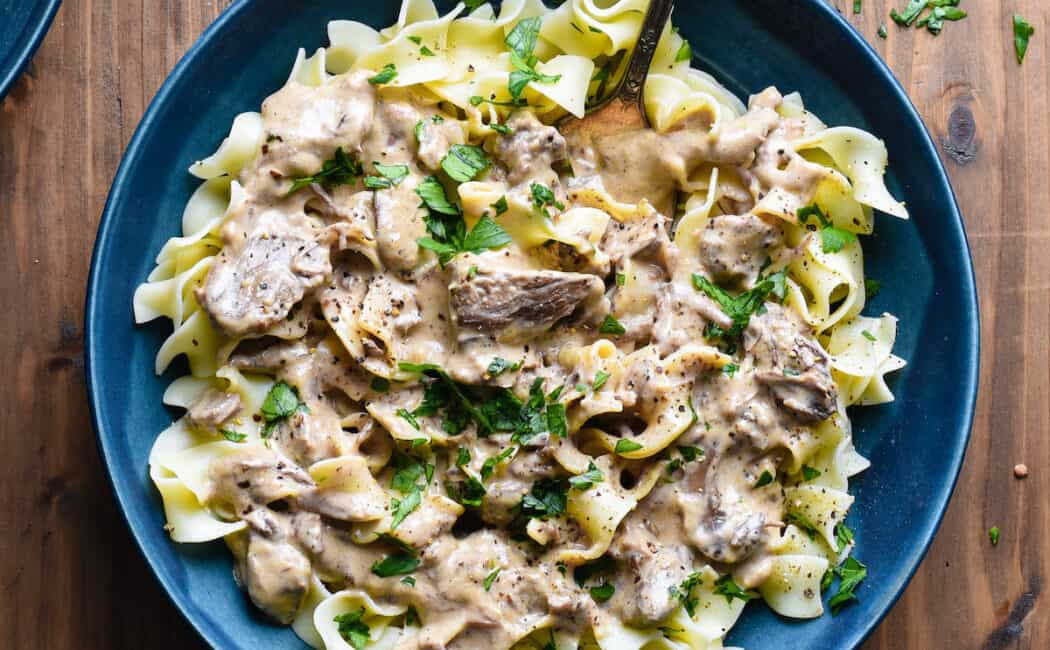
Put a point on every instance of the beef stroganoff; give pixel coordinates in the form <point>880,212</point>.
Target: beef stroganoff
<point>459,379</point>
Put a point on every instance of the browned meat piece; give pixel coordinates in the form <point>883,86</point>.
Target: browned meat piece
<point>252,289</point>
<point>266,354</point>
<point>277,577</point>
<point>434,517</point>
<point>249,480</point>
<point>531,150</point>
<point>791,364</point>
<point>650,569</point>
<point>213,408</point>
<point>810,395</point>
<point>733,248</point>
<point>520,304</point>
<point>645,240</point>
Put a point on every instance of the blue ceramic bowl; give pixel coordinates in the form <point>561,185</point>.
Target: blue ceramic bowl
<point>23,24</point>
<point>916,444</point>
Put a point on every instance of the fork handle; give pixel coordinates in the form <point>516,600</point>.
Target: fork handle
<point>633,84</point>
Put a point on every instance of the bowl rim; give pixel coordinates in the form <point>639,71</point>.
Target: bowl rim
<point>26,46</point>
<point>969,331</point>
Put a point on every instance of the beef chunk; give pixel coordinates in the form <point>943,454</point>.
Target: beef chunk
<point>650,570</point>
<point>793,366</point>
<point>733,248</point>
<point>266,354</point>
<point>253,288</point>
<point>277,577</point>
<point>810,395</point>
<point>213,408</point>
<point>519,304</point>
<point>531,150</point>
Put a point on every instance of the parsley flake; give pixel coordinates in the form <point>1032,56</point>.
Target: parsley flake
<point>385,76</point>
<point>587,480</point>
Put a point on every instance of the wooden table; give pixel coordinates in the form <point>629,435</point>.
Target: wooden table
<point>70,576</point>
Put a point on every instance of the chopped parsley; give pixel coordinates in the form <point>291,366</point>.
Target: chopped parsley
<point>684,53</point>
<point>725,586</point>
<point>448,231</point>
<point>233,436</point>
<point>934,21</point>
<point>587,480</point>
<point>468,493</point>
<point>489,579</point>
<point>499,365</point>
<point>871,288</point>
<point>426,51</point>
<point>547,498</point>
<point>406,415</point>
<point>621,279</point>
<point>380,384</point>
<point>543,196</point>
<point>522,42</point>
<point>500,206</point>
<point>730,369</point>
<point>764,479</point>
<point>464,162</point>
<point>340,169</point>
<point>809,473</point>
<point>397,564</point>
<point>353,629</point>
<point>910,13</point>
<point>993,535</point>
<point>492,409</point>
<point>858,6</point>
<point>281,403</point>
<point>602,592</point>
<point>1022,32</point>
<point>490,464</point>
<point>940,11</point>
<point>404,507</point>
<point>501,128</point>
<point>850,574</point>
<point>478,100</point>
<point>389,176</point>
<point>882,31</point>
<point>843,536</point>
<point>405,480</point>
<point>624,446</point>
<point>832,239</point>
<point>803,522</point>
<point>690,453</point>
<point>612,326</point>
<point>433,194</point>
<point>462,456</point>
<point>384,76</point>
<point>599,380</point>
<point>684,593</point>
<point>868,335</point>
<point>740,308</point>
<point>411,582</point>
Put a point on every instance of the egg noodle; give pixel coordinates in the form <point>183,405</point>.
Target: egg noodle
<point>458,379</point>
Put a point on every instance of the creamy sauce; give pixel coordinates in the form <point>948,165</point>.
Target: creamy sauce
<point>323,260</point>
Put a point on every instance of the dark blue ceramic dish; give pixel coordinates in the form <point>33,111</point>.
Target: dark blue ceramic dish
<point>916,444</point>
<point>23,24</point>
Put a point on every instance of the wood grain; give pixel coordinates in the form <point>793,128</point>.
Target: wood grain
<point>69,573</point>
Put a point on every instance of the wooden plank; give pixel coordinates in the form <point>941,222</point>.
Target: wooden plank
<point>70,574</point>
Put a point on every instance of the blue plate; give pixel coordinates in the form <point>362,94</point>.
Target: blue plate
<point>916,444</point>
<point>22,27</point>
